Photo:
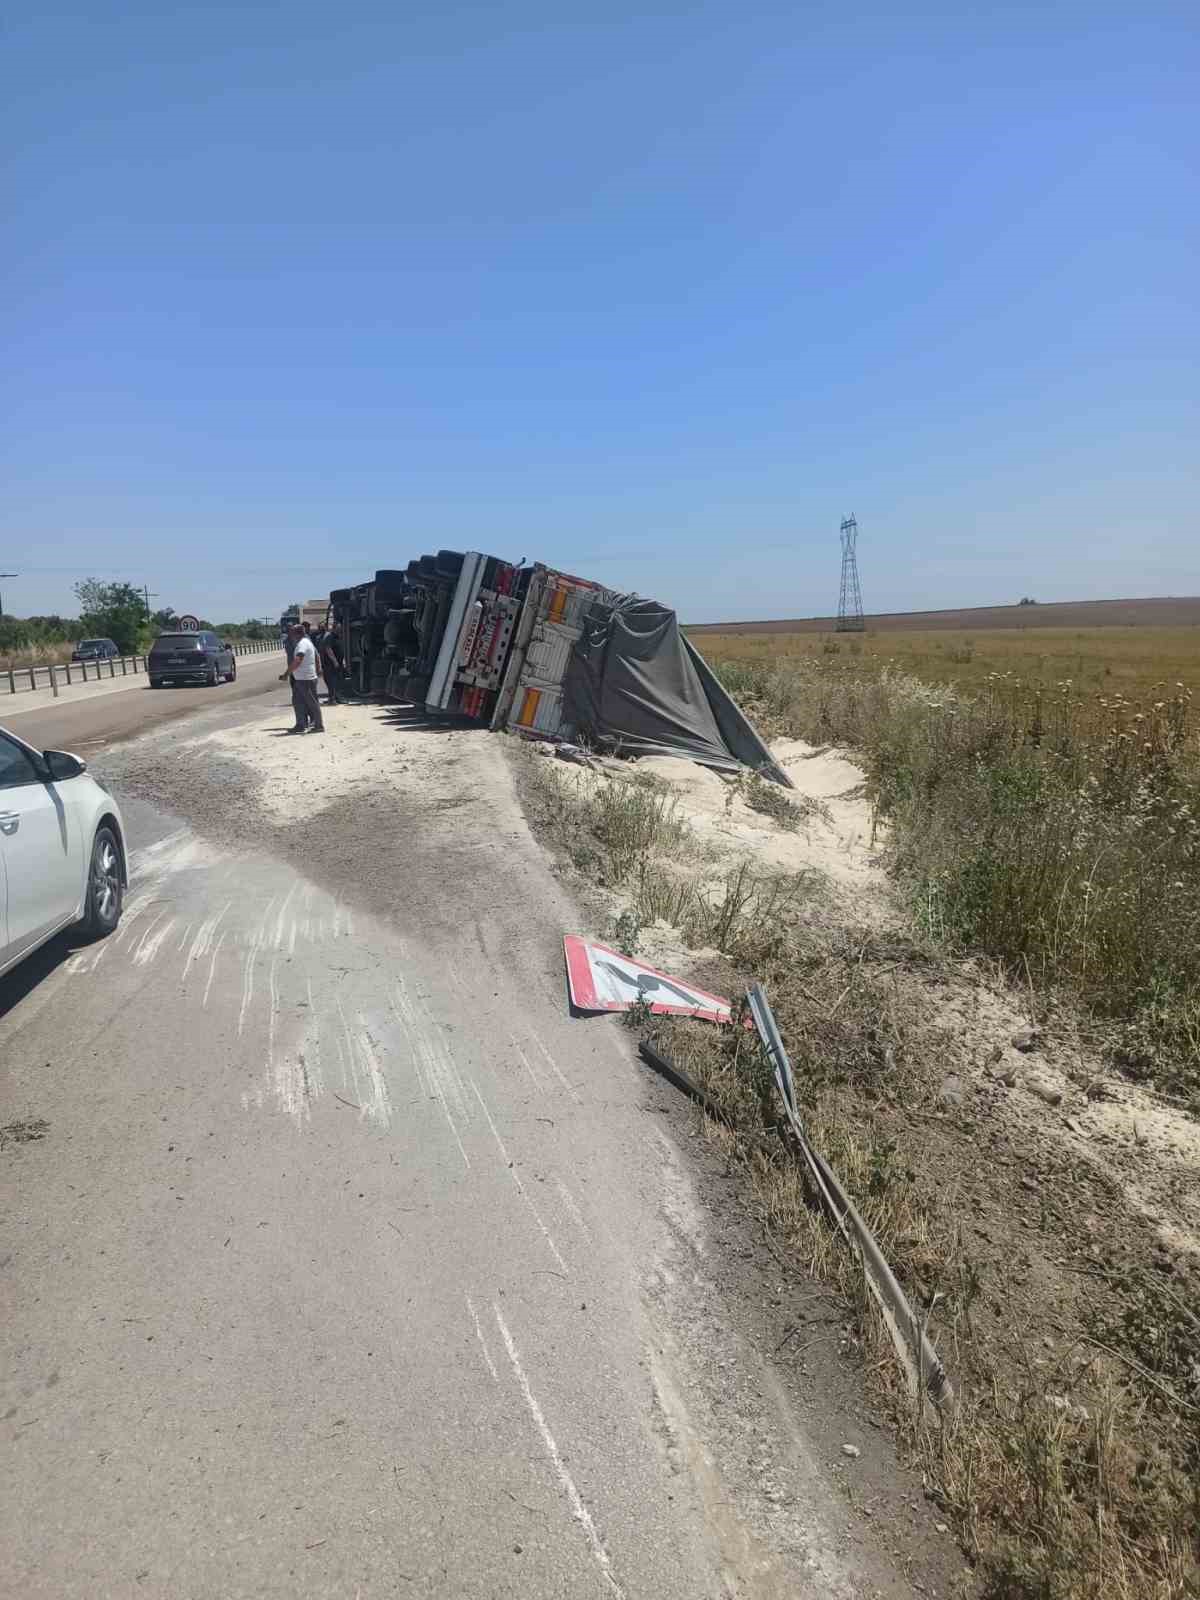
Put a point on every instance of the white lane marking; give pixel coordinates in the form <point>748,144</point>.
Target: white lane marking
<point>184,940</point>
<point>578,1510</point>
<point>572,1205</point>
<point>516,1178</point>
<point>213,967</point>
<point>292,938</point>
<point>537,1082</point>
<point>487,1355</point>
<point>565,1081</point>
<point>73,964</point>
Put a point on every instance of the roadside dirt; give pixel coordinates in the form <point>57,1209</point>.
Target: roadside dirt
<point>1066,1201</point>
<point>1055,1091</point>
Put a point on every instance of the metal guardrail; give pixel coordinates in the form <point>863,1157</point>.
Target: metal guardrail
<point>920,1361</point>
<point>27,680</point>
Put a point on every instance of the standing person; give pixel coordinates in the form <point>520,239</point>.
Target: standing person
<point>305,671</point>
<point>288,636</point>
<point>331,661</point>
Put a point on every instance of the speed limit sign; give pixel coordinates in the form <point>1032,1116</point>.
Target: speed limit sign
<point>189,624</point>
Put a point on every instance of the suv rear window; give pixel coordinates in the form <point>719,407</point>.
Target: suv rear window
<point>92,644</point>
<point>176,641</point>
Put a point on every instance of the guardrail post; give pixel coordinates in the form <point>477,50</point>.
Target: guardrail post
<point>54,679</point>
<point>32,679</point>
<point>12,685</point>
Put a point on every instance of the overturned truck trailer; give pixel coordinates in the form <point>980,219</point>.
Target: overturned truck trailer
<point>537,650</point>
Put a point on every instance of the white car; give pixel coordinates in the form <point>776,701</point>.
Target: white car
<point>62,849</point>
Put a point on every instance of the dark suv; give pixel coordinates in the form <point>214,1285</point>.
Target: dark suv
<point>94,650</point>
<point>186,657</point>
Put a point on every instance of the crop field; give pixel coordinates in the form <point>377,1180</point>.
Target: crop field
<point>1132,660</point>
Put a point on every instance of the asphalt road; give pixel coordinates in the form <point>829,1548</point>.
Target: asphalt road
<point>340,1260</point>
<point>107,715</point>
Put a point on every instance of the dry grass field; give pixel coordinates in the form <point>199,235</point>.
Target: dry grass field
<point>1129,659</point>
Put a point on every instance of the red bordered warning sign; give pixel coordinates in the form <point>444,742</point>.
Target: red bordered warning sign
<point>601,979</point>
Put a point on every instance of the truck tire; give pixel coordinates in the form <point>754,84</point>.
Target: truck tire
<point>449,563</point>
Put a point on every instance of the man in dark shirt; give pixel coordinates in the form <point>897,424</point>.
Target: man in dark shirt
<point>292,634</point>
<point>329,652</point>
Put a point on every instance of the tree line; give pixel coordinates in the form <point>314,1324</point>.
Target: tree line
<point>115,611</point>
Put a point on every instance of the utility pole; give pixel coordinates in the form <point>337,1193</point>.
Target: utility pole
<point>850,610</point>
<point>6,575</point>
<point>146,592</point>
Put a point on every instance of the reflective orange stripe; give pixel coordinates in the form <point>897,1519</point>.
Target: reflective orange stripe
<point>558,605</point>
<point>529,708</point>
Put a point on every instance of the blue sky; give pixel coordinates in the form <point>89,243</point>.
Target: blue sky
<point>657,295</point>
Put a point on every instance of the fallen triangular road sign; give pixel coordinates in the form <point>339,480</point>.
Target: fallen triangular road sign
<point>601,979</point>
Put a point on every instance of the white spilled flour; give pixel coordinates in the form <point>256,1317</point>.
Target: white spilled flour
<point>302,1015</point>
<point>837,838</point>
<point>303,777</point>
<point>258,952</point>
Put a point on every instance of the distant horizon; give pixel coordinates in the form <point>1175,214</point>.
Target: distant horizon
<point>941,611</point>
<point>715,624</point>
<point>1185,611</point>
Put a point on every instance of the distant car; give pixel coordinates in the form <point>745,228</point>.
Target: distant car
<point>94,650</point>
<point>190,657</point>
<point>62,849</point>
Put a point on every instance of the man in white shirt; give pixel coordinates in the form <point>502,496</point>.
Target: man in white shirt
<point>304,669</point>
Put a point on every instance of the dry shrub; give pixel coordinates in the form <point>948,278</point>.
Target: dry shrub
<point>1056,831</point>
<point>628,834</point>
<point>1066,1476</point>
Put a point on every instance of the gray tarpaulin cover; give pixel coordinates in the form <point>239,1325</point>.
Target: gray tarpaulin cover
<point>635,684</point>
